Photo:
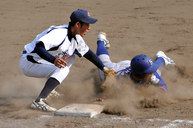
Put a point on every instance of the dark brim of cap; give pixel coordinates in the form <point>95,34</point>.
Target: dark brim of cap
<point>154,67</point>
<point>89,20</point>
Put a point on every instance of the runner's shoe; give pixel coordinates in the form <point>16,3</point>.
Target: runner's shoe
<point>42,105</point>
<point>168,61</point>
<point>102,37</point>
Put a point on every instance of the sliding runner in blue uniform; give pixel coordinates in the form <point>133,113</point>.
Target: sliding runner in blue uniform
<point>140,69</point>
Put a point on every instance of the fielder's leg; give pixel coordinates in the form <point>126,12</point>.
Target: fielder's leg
<point>50,85</point>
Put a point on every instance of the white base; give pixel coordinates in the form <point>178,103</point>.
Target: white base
<point>86,110</point>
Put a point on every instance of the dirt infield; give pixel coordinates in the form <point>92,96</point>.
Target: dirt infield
<point>133,27</point>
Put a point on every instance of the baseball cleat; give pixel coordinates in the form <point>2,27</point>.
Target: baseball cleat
<point>102,36</point>
<point>168,61</point>
<point>42,105</point>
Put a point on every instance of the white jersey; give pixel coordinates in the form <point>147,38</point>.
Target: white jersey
<point>57,43</point>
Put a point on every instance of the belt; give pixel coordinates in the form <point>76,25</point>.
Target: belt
<point>24,52</point>
<point>29,57</point>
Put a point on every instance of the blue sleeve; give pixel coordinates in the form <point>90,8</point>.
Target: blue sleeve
<point>161,82</point>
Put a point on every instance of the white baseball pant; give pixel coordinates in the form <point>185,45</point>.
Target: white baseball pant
<point>45,69</point>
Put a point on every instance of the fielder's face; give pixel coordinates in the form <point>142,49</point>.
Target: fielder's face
<point>83,29</point>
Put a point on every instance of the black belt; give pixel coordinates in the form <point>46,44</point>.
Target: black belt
<point>31,59</point>
<point>24,52</point>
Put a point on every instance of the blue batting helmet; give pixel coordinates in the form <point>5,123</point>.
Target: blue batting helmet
<point>142,64</point>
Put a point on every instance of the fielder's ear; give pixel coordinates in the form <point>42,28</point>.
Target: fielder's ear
<point>77,24</point>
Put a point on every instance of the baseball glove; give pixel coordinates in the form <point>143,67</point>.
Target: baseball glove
<point>109,73</point>
<point>109,81</point>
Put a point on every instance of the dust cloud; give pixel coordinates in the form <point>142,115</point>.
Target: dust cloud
<point>16,85</point>
<point>128,99</point>
<point>124,98</point>
<point>179,84</point>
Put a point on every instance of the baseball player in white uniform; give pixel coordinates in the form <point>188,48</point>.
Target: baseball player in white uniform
<point>52,53</point>
<point>140,68</point>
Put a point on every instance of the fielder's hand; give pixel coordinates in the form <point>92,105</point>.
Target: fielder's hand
<point>60,63</point>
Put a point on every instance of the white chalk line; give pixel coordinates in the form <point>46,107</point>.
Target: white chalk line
<point>171,124</point>
<point>175,123</point>
<point>46,116</point>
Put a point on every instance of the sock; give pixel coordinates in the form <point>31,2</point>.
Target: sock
<point>101,48</point>
<point>50,85</point>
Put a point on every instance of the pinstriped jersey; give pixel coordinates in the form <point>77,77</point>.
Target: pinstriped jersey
<point>57,43</point>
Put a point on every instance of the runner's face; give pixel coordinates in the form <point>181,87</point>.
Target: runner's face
<point>148,76</point>
<point>144,77</point>
<point>83,29</point>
